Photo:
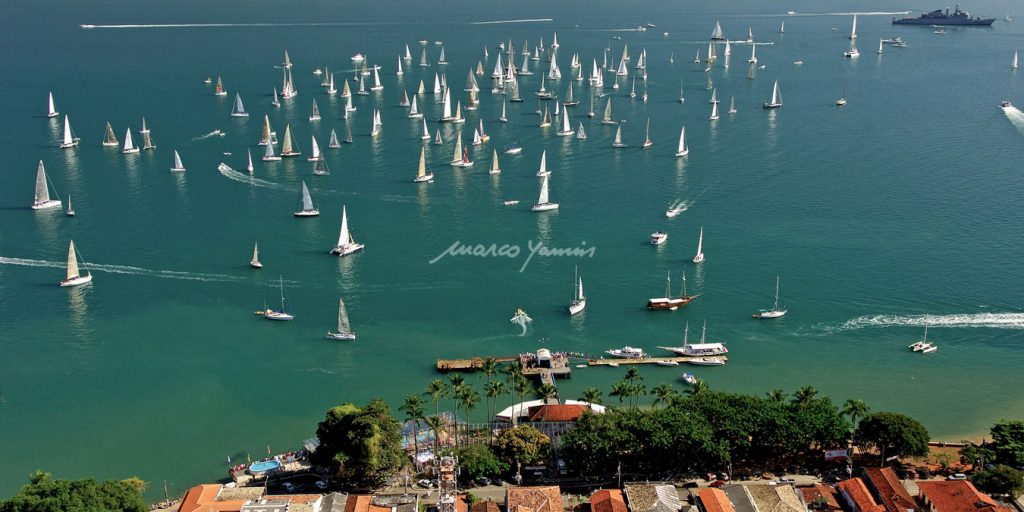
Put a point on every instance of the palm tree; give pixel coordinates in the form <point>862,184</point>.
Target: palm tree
<point>413,407</point>
<point>493,390</point>
<point>635,392</point>
<point>546,392</point>
<point>591,395</point>
<point>698,387</point>
<point>633,378</point>
<point>804,396</point>
<point>633,375</point>
<point>512,374</point>
<point>620,390</point>
<point>435,423</point>
<point>489,367</point>
<point>777,395</point>
<point>435,390</point>
<point>855,409</point>
<point>468,397</point>
<point>663,393</point>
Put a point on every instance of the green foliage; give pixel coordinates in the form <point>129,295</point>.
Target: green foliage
<point>977,454</point>
<point>591,395</point>
<point>470,497</point>
<point>1008,441</point>
<point>523,444</point>
<point>1000,480</point>
<point>44,494</point>
<point>893,434</point>
<point>478,460</point>
<point>362,445</point>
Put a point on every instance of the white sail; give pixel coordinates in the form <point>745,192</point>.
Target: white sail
<point>699,257</point>
<point>446,114</point>
<point>543,197</point>
<point>423,58</point>
<point>543,171</point>
<point>440,57</point>
<point>178,166</point>
<point>333,142</point>
<point>129,146</point>
<point>853,31</point>
<point>239,110</point>
<point>566,128</point>
<point>307,200</point>
<point>607,119</point>
<point>495,167</point>
<point>414,111</point>
<point>580,133</point>
<point>457,156</point>
<point>315,152</point>
<point>52,110</point>
<point>717,32</point>
<point>618,137</point>
<point>682,150</point>
<point>714,111</point>
<point>42,195</point>
<point>399,72</point>
<point>256,256</point>
<point>110,140</point>
<point>753,54</point>
<point>73,271</point>
<point>343,323</point>
<point>408,54</point>
<point>69,140</point>
<point>314,114</point>
<point>1014,65</point>
<point>249,166</point>
<point>377,86</point>
<point>344,236</point>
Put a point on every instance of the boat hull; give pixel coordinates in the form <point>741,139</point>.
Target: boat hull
<point>343,336</point>
<point>255,264</point>
<point>423,179</point>
<point>707,361</point>
<point>311,213</point>
<point>76,281</point>
<point>345,250</point>
<point>987,22</point>
<point>767,315</point>
<point>278,316</point>
<point>577,307</point>
<point>52,203</point>
<point>669,304</point>
<point>544,207</point>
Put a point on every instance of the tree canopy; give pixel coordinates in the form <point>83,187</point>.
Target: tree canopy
<point>893,434</point>
<point>523,444</point>
<point>477,460</point>
<point>45,494</point>
<point>1001,479</point>
<point>364,445</point>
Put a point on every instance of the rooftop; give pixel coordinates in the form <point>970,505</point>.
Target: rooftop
<point>858,494</point>
<point>203,498</point>
<point>715,500</point>
<point>775,498</point>
<point>485,506</point>
<point>957,496</point>
<point>889,490</point>
<point>826,494</point>
<point>608,500</point>
<point>560,412</point>
<point>533,499</point>
<point>645,497</point>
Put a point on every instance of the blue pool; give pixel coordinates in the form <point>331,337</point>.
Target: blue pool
<point>261,467</point>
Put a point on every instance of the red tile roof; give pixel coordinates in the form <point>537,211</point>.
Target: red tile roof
<point>608,500</point>
<point>535,498</point>
<point>889,490</point>
<point>957,496</point>
<point>203,498</point>
<point>715,500</point>
<point>859,495</point>
<point>820,491</point>
<point>560,412</point>
<point>485,506</point>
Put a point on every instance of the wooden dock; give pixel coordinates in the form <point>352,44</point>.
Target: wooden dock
<point>645,360</point>
<point>471,364</point>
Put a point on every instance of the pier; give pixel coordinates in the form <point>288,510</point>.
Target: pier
<point>646,360</point>
<point>471,364</point>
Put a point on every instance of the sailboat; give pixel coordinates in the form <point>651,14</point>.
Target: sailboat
<point>617,143</point>
<point>543,202</point>
<point>70,211</point>
<point>580,133</point>
<point>1014,64</point>
<point>543,170</point>
<point>344,329</point>
<point>923,346</point>
<point>668,302</point>
<point>178,166</point>
<point>333,142</point>
<point>346,243</point>
<point>566,129</point>
<point>782,28</point>
<point>110,140</point>
<point>147,140</point>
<point>219,89</point>
<point>775,311</point>
<point>732,104</point>
<point>74,277</point>
<point>346,90</point>
<point>268,155</point>
<point>426,131</point>
<point>682,150</point>
<point>238,110</point>
<point>281,314</point>
<point>375,129</point>
<point>776,101</point>
<point>853,31</point>
<point>331,89</point>
<point>716,34</point>
<point>699,257</point>
<point>423,58</point>
<point>308,210</point>
<point>579,301</point>
<point>69,140</point>
<point>288,147</point>
<point>315,151</point>
<point>377,86</point>
<point>129,146</point>
<point>320,167</point>
<point>714,111</point>
<point>52,110</point>
<point>504,115</point>
<point>495,167</point>
<point>348,134</point>
<point>753,54</point>
<point>880,42</point>
<point>248,166</point>
<point>607,118</point>
<point>647,135</point>
<point>273,98</point>
<point>42,199</point>
<point>314,115</point>
<point>268,133</point>
<point>570,101</point>
<point>421,173</point>
<point>255,263</point>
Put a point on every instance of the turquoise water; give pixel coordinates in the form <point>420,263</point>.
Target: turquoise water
<point>896,211</point>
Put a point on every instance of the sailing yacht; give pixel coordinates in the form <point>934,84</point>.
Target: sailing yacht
<point>110,140</point>
<point>699,257</point>
<point>219,89</point>
<point>288,146</point>
<point>543,202</point>
<point>74,276</point>
<point>880,46</point>
<point>504,116</point>
<point>853,31</point>
<point>238,110</point>
<point>70,211</point>
<point>269,155</point>
<point>334,142</point>
<point>753,54</point>
<point>308,210</point>
<point>281,314</point>
<point>617,143</point>
<point>776,100</point>
<point>570,101</point>
<point>579,301</point>
<point>775,311</point>
<point>421,173</point>
<point>42,199</point>
<point>682,150</point>
<point>315,151</point>
<point>377,86</point>
<point>495,167</point>
<point>346,243</point>
<point>344,329</point>
<point>248,166</point>
<point>331,89</point>
<point>647,135</point>
<point>566,129</point>
<point>69,140</point>
<point>716,34</point>
<point>255,262</point>
<point>1014,64</point>
<point>732,104</point>
<point>607,118</point>
<point>129,146</point>
<point>314,114</point>
<point>147,140</point>
<point>178,166</point>
<point>714,112</point>
<point>52,110</point>
<point>697,349</point>
<point>543,171</point>
<point>668,301</point>
<point>924,346</point>
<point>580,133</point>
<point>320,167</point>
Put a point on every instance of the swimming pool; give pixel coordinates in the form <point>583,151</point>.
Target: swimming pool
<point>261,467</point>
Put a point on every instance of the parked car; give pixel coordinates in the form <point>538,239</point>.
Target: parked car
<point>957,476</point>
<point>483,481</point>
<point>425,483</point>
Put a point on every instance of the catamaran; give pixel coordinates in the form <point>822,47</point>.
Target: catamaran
<point>346,243</point>
<point>344,329</point>
<point>699,257</point>
<point>668,301</point>
<point>42,197</point>
<point>579,301</point>
<point>238,110</point>
<point>924,346</point>
<point>308,210</point>
<point>255,262</point>
<point>178,166</point>
<point>775,311</point>
<point>543,202</point>
<point>129,146</point>
<point>74,276</point>
<point>697,349</point>
<point>421,174</point>
<point>69,140</point>
<point>110,140</point>
<point>52,110</point>
<point>314,114</point>
<point>219,89</point>
<point>776,101</point>
<point>281,314</point>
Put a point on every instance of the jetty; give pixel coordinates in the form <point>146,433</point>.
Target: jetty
<point>645,360</point>
<point>469,365</point>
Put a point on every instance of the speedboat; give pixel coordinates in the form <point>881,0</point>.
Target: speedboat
<point>841,101</point>
<point>1006,104</point>
<point>358,58</point>
<point>513,149</point>
<point>689,378</point>
<point>658,238</point>
<point>627,352</point>
<point>851,53</point>
<point>511,202</point>
<point>707,361</point>
<point>668,362</point>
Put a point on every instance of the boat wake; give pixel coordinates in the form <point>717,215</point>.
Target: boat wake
<point>208,135</point>
<point>498,22</point>
<point>1015,116</point>
<point>234,175</point>
<point>124,269</point>
<point>988,320</point>
<point>228,25</point>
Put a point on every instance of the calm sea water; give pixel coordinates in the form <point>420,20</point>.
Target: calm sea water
<point>899,210</point>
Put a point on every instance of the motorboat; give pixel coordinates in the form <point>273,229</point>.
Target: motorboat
<point>658,238</point>
<point>627,352</point>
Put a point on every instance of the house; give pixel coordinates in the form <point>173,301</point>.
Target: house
<point>608,500</point>
<point>885,486</point>
<point>652,498</point>
<point>267,505</point>
<point>487,505</point>
<point>714,500</point>
<point>775,498</point>
<point>857,496</point>
<point>533,499</point>
<point>522,410</point>
<point>382,503</point>
<point>207,498</point>
<point>956,496</point>
<point>556,412</point>
<point>333,502</point>
<point>820,497</point>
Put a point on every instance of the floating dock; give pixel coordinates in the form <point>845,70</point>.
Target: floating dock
<point>647,360</point>
<point>471,364</point>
